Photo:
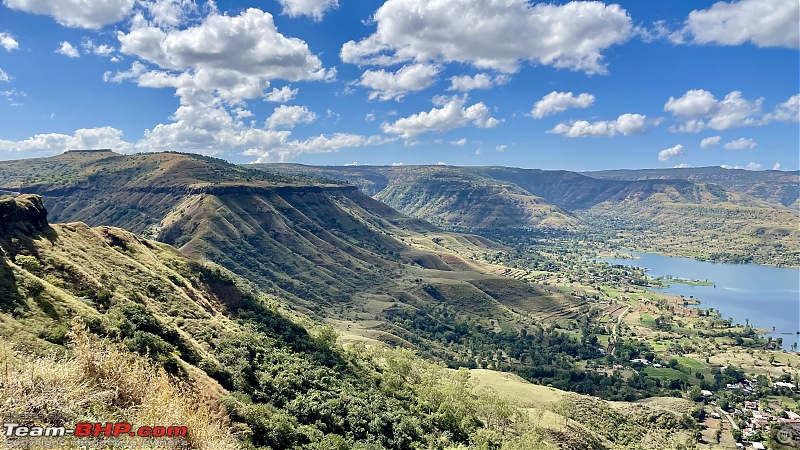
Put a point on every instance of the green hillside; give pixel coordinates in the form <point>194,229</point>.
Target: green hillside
<point>278,386</point>
<point>643,210</point>
<point>774,186</point>
<point>234,368</point>
<point>333,253</point>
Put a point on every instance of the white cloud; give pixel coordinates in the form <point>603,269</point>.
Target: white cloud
<point>749,166</point>
<point>92,14</point>
<point>765,23</point>
<point>466,83</point>
<point>556,102</point>
<point>281,95</point>
<point>495,35</point>
<point>169,13</point>
<point>700,110</point>
<point>13,96</point>
<point>67,49</point>
<point>396,164</point>
<point>4,76</point>
<point>670,153</point>
<point>741,144</point>
<point>134,72</point>
<point>452,114</point>
<point>694,103</point>
<point>501,148</point>
<point>233,56</point>
<point>627,124</point>
<point>8,42</point>
<point>206,126</point>
<point>100,50</point>
<point>461,141</point>
<point>682,166</point>
<point>85,138</point>
<point>202,124</point>
<point>289,116</point>
<point>788,111</point>
<point>777,166</point>
<point>710,141</point>
<point>312,8</point>
<point>284,150</point>
<point>393,86</point>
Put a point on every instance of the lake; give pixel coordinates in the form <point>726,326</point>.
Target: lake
<point>768,296</point>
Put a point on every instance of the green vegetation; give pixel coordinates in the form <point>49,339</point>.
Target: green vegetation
<point>265,257</point>
<point>645,210</point>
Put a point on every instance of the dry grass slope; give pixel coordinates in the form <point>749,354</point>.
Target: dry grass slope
<point>97,381</point>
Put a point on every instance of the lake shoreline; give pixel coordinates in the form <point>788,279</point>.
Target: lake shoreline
<point>766,297</point>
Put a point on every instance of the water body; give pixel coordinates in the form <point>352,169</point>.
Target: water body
<point>767,296</point>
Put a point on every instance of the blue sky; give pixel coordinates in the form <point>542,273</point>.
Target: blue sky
<point>561,85</point>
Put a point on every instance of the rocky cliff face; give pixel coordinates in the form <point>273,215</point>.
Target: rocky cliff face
<point>25,214</point>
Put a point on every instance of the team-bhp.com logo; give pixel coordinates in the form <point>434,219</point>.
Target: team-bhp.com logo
<point>18,435</point>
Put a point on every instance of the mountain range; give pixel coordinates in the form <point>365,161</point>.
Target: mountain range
<point>694,213</point>
<point>227,275</point>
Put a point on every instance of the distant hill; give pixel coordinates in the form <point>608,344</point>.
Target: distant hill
<point>774,186</point>
<point>459,197</point>
<point>323,247</point>
<point>678,216</point>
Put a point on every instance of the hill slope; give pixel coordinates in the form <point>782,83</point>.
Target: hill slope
<point>676,216</point>
<point>774,186</point>
<point>243,374</point>
<point>325,248</point>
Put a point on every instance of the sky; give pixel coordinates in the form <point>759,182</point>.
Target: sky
<point>559,85</point>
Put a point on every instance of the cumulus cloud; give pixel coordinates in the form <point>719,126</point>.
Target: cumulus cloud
<point>8,42</point>
<point>765,23</point>
<point>311,8</point>
<point>556,102</point>
<point>788,111</point>
<point>466,83</point>
<point>394,85</point>
<point>501,148</point>
<point>285,150</point>
<point>4,76</point>
<point>204,125</point>
<point>93,14</point>
<point>67,49</point>
<point>694,103</point>
<point>233,56</point>
<point>461,141</point>
<point>699,109</point>
<point>682,166</point>
<point>776,166</point>
<point>169,13</point>
<point>741,144</point>
<point>451,114</point>
<point>289,116</point>
<point>494,34</point>
<point>670,153</point>
<point>710,141</point>
<point>281,95</point>
<point>104,137</point>
<point>100,50</point>
<point>749,166</point>
<point>626,124</point>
